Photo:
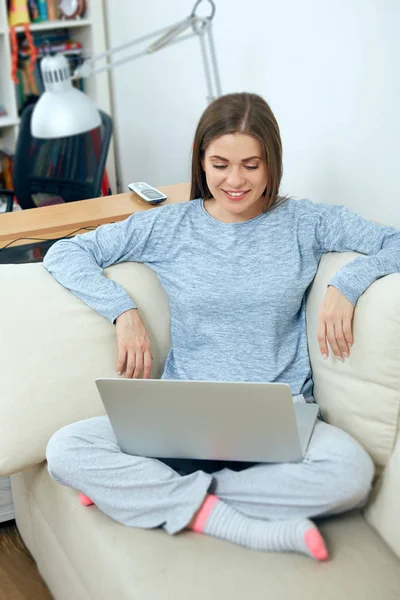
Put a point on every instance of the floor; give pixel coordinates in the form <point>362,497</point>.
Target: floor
<point>19,577</point>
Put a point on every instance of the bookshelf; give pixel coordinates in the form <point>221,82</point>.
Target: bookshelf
<point>90,31</point>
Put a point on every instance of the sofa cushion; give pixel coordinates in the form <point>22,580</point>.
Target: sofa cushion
<point>361,395</point>
<point>102,559</point>
<point>53,347</point>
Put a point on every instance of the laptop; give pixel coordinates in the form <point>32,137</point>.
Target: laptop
<point>227,421</point>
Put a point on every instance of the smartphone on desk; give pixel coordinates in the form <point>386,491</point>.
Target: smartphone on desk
<point>148,193</point>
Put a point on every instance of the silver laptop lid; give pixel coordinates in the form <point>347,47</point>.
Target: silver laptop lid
<point>204,420</point>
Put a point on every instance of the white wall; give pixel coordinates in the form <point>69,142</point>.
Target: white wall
<point>329,70</point>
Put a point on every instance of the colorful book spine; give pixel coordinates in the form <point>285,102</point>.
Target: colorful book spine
<point>42,6</point>
<point>52,10</point>
<point>67,48</point>
<point>33,9</point>
<point>6,162</point>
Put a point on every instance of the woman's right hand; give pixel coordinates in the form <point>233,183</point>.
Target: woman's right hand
<point>134,356</point>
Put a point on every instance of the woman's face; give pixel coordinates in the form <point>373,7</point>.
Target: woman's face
<point>236,177</point>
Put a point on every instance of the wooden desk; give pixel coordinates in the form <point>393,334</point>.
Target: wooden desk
<point>59,220</point>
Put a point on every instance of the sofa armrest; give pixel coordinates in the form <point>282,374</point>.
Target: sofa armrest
<point>52,349</point>
<point>362,394</point>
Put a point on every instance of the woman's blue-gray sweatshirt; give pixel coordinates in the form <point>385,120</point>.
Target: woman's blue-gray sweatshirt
<point>236,290</point>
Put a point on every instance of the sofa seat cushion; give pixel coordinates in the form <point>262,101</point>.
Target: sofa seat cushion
<point>108,560</point>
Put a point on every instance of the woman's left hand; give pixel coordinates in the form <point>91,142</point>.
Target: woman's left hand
<point>335,323</point>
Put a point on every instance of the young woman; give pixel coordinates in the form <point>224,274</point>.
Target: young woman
<point>236,262</point>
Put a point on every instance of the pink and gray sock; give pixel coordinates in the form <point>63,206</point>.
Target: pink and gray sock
<point>298,535</point>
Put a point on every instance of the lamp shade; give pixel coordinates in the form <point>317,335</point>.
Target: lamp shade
<point>62,110</point>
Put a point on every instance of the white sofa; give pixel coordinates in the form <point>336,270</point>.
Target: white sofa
<point>52,347</point>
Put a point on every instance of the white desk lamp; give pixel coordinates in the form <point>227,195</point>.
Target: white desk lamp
<point>63,111</point>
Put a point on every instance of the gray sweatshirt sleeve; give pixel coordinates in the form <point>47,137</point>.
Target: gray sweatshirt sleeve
<point>341,230</point>
<point>78,264</point>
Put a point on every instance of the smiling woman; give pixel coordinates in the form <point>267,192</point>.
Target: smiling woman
<point>237,158</point>
<point>236,176</point>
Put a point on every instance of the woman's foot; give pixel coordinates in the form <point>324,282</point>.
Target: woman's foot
<point>85,500</point>
<point>220,520</point>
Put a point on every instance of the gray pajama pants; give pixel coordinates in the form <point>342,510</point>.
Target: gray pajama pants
<point>334,476</point>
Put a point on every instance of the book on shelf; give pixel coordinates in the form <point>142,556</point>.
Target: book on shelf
<point>53,12</point>
<point>6,167</point>
<point>33,11</point>
<point>43,10</point>
<point>42,6</point>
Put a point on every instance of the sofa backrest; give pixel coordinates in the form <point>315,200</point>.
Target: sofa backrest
<point>53,347</point>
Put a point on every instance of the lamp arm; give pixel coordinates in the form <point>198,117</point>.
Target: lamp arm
<point>213,55</point>
<point>202,28</point>
<point>80,71</point>
<point>136,41</point>
<point>172,34</point>
<point>210,65</point>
